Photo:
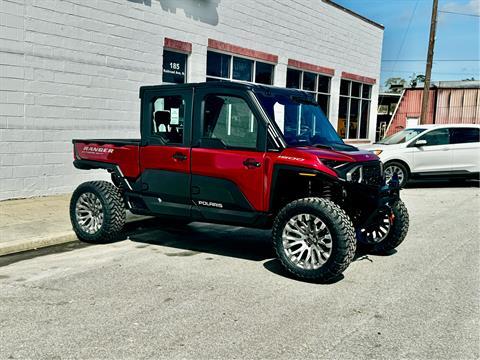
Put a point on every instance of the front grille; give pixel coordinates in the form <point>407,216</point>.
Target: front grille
<point>367,173</point>
<point>372,173</point>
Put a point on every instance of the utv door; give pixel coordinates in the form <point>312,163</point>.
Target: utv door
<point>227,157</point>
<point>165,150</point>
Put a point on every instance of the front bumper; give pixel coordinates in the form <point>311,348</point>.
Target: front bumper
<point>387,196</point>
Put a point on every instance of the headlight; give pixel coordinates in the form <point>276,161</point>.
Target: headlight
<point>377,152</point>
<point>332,164</point>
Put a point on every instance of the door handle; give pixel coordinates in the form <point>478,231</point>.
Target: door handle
<point>251,163</point>
<point>179,156</point>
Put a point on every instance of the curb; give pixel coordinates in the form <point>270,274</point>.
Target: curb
<point>34,243</point>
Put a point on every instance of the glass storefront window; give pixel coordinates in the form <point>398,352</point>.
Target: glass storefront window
<point>242,69</point>
<point>318,85</point>
<point>218,65</point>
<point>356,89</point>
<point>309,81</point>
<point>366,92</point>
<point>293,78</point>
<point>263,73</point>
<point>323,84</point>
<point>354,109</point>
<point>345,88</point>
<point>227,67</point>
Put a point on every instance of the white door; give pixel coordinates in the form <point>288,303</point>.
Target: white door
<point>435,155</point>
<point>466,149</point>
<point>412,122</point>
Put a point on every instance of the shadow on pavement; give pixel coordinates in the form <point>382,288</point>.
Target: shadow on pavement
<point>30,254</point>
<point>238,242</point>
<point>243,243</point>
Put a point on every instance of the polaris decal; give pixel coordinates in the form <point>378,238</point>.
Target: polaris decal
<point>210,204</point>
<point>97,150</point>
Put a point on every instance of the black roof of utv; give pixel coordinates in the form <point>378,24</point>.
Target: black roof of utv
<point>257,88</point>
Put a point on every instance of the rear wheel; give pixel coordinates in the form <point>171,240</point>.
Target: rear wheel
<point>97,212</point>
<point>314,239</point>
<point>397,168</point>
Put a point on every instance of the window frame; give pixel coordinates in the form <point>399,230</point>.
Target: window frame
<point>230,68</point>
<point>315,92</point>
<point>147,109</point>
<point>227,146</point>
<point>361,101</point>
<point>248,97</point>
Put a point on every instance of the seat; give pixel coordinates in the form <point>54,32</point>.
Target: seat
<point>163,117</point>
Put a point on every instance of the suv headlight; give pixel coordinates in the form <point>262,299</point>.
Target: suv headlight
<point>377,152</point>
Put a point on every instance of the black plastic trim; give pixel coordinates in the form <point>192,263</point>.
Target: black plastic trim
<point>299,169</point>
<point>90,165</point>
<point>446,174</point>
<point>222,191</point>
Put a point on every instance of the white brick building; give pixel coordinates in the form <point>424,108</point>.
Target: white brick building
<point>72,69</point>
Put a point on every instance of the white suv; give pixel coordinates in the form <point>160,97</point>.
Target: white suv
<point>427,151</point>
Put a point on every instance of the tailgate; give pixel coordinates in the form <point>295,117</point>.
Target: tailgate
<point>123,153</point>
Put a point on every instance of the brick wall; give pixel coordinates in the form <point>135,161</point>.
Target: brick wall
<point>72,68</point>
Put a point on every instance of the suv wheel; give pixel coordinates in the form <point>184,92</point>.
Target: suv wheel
<point>389,232</point>
<point>97,212</point>
<point>314,239</point>
<point>394,167</point>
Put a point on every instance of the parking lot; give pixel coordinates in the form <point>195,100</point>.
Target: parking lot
<point>208,291</point>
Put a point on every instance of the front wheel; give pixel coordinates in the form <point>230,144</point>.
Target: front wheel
<point>314,239</point>
<point>97,212</point>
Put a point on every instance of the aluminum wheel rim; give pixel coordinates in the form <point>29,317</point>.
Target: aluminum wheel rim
<point>89,213</point>
<point>377,233</point>
<point>307,241</point>
<point>393,169</point>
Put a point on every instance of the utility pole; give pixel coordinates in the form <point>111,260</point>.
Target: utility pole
<point>428,70</point>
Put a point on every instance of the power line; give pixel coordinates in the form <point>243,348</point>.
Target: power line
<point>433,72</point>
<point>412,15</point>
<point>458,13</point>
<point>440,60</point>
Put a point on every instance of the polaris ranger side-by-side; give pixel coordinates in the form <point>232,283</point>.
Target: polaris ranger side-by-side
<point>246,155</point>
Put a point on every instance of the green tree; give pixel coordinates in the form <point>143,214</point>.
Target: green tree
<point>416,79</point>
<point>395,85</point>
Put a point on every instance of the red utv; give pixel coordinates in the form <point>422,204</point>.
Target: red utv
<point>246,155</point>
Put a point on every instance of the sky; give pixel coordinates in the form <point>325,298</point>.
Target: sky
<point>407,29</point>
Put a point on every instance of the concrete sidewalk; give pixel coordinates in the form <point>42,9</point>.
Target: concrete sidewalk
<point>27,224</point>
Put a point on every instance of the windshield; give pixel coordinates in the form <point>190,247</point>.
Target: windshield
<point>401,137</point>
<point>301,121</point>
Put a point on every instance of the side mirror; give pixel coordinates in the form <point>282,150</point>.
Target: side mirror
<point>420,142</point>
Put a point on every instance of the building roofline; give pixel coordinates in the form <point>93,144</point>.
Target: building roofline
<point>351,12</point>
<point>390,94</point>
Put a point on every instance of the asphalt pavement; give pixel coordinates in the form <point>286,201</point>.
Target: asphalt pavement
<point>205,292</point>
